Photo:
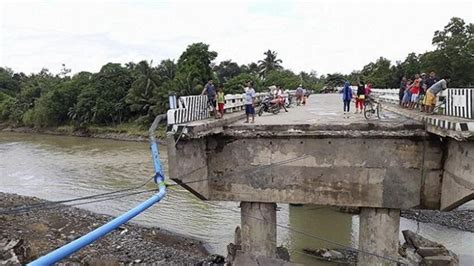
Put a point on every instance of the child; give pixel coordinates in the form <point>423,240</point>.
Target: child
<point>220,101</point>
<point>415,92</point>
<point>407,95</point>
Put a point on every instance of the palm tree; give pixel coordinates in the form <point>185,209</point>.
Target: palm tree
<point>140,97</point>
<point>269,63</point>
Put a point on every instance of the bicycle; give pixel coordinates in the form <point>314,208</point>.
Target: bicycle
<point>439,109</point>
<point>371,108</point>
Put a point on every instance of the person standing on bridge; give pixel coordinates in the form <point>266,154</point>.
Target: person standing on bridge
<point>249,102</point>
<point>220,101</point>
<point>401,91</point>
<point>346,97</point>
<point>433,91</point>
<point>415,92</point>
<point>407,96</point>
<point>210,91</point>
<point>360,97</point>
<point>429,82</point>
<point>299,95</point>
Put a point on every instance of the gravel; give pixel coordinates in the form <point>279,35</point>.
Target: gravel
<point>40,231</point>
<point>458,219</point>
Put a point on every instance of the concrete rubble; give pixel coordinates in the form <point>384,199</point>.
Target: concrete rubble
<point>418,250</point>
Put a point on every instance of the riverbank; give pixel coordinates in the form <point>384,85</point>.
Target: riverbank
<point>123,132</point>
<point>459,219</point>
<point>27,235</point>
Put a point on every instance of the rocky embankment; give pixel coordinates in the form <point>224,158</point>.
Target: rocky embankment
<point>416,250</point>
<point>458,219</point>
<point>24,236</point>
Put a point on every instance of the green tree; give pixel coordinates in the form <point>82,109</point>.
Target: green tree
<point>103,101</point>
<point>251,68</point>
<point>226,70</point>
<point>8,84</point>
<point>149,91</point>
<point>284,78</point>
<point>269,63</point>
<point>380,75</point>
<point>194,67</point>
<point>454,54</point>
<point>411,65</point>
<point>334,80</point>
<point>236,84</point>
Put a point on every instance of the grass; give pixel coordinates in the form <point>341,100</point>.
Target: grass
<point>130,129</point>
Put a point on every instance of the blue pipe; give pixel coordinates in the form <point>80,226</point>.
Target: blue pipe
<point>85,240</point>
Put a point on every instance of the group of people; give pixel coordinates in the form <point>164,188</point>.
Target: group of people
<point>216,99</point>
<point>421,91</point>
<point>361,95</point>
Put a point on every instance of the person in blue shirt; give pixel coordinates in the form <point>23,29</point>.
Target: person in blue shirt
<point>346,96</point>
<point>211,93</point>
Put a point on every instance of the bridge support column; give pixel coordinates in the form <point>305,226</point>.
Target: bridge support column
<point>258,221</point>
<point>378,233</point>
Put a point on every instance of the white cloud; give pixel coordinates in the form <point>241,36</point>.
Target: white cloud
<point>327,36</point>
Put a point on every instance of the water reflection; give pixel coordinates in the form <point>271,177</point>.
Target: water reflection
<point>318,221</point>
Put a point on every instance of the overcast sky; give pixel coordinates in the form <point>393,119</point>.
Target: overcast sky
<point>326,36</point>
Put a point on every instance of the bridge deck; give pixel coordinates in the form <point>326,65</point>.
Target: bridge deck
<point>324,112</point>
<point>323,109</point>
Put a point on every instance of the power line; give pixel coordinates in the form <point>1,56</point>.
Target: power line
<point>57,205</point>
<point>49,203</point>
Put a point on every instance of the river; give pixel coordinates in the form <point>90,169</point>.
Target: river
<point>59,167</point>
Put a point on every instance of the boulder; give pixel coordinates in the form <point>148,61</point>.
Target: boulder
<point>413,257</point>
<point>243,259</point>
<point>282,253</point>
<point>416,241</point>
<point>432,251</point>
<point>438,261</point>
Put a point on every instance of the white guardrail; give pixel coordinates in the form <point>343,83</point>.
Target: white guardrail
<point>193,108</point>
<point>459,101</point>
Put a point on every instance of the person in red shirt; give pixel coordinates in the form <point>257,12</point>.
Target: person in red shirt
<point>415,91</point>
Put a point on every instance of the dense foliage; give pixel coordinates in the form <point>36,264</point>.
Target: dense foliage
<point>137,92</point>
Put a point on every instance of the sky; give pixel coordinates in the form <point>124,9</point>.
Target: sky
<point>324,36</point>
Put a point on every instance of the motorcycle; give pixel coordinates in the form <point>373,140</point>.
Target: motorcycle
<point>269,105</point>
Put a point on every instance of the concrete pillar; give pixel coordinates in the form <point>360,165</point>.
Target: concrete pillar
<point>378,233</point>
<point>258,233</point>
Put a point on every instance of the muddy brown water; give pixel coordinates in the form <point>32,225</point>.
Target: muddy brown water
<point>59,167</point>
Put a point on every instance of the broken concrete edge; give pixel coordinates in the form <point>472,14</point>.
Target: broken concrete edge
<point>252,133</point>
<point>434,129</point>
<point>204,127</point>
<point>285,131</point>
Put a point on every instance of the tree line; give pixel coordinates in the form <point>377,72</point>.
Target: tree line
<point>137,92</point>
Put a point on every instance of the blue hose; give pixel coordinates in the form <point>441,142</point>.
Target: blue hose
<point>85,240</point>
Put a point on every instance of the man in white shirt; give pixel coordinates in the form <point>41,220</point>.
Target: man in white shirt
<point>249,101</point>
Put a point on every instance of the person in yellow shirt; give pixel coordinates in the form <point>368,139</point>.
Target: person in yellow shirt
<point>220,101</point>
